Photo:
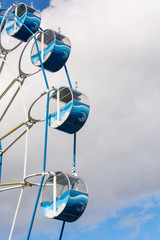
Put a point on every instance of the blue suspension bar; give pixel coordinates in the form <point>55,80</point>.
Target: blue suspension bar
<point>0,160</point>
<point>62,230</point>
<point>74,144</point>
<point>46,133</point>
<point>21,22</point>
<point>41,29</point>
<point>74,155</point>
<point>35,208</point>
<point>44,168</point>
<point>44,74</point>
<point>69,81</point>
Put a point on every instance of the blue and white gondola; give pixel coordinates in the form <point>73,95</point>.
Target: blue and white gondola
<point>54,49</point>
<point>69,110</point>
<point>27,15</point>
<point>64,197</point>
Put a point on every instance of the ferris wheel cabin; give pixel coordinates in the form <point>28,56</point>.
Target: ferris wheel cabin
<point>64,197</point>
<point>69,110</point>
<point>54,50</point>
<point>27,15</point>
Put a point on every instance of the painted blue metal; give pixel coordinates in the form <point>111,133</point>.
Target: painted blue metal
<point>56,50</point>
<point>2,13</point>
<point>27,16</point>
<point>71,197</point>
<point>74,154</point>
<point>74,142</point>
<point>75,206</point>
<point>69,81</point>
<point>73,115</point>
<point>1,155</point>
<point>60,237</point>
<point>46,134</point>
<point>76,119</point>
<point>35,208</point>
<point>44,168</point>
<point>43,71</point>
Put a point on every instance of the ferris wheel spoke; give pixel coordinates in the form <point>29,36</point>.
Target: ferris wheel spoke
<point>11,183</point>
<point>16,213</point>
<point>13,130</point>
<point>10,188</point>
<point>2,65</point>
<point>3,61</point>
<point>15,140</point>
<point>7,88</point>
<point>9,104</point>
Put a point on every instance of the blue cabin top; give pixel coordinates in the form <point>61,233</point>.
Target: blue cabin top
<point>54,50</point>
<point>64,197</point>
<point>69,110</point>
<point>27,15</point>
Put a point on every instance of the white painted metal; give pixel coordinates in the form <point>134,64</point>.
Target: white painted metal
<point>10,188</point>
<point>54,194</point>
<point>16,213</point>
<point>15,17</point>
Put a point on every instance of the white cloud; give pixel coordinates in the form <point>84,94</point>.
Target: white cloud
<point>135,223</point>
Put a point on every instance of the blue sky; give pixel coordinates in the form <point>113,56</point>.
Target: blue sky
<point>39,5</point>
<point>139,221</point>
<point>115,58</point>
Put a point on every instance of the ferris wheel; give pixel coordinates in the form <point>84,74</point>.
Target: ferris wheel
<point>62,196</point>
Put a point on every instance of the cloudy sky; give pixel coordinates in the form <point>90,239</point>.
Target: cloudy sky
<point>115,59</point>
